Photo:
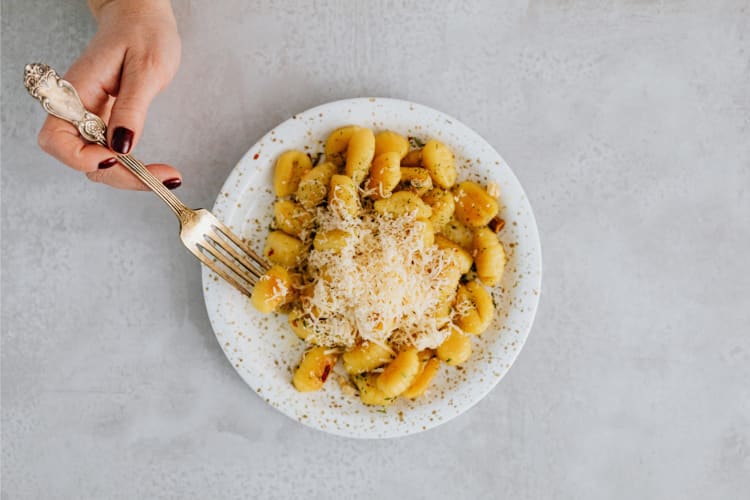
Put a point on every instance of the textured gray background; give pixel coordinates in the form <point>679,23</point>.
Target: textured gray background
<point>627,122</point>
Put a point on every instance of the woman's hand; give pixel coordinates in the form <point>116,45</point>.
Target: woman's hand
<point>133,56</point>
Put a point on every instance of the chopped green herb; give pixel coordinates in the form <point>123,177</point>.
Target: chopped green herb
<point>416,142</point>
<point>316,159</point>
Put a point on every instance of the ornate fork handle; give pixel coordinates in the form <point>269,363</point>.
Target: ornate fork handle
<point>59,98</point>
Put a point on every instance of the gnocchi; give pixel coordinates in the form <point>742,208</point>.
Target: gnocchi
<point>402,203</point>
<point>442,204</point>
<point>314,369</point>
<point>455,349</point>
<point>384,174</point>
<point>368,188</point>
<point>474,206</point>
<point>415,179</point>
<point>272,290</point>
<point>474,307</point>
<point>291,217</point>
<point>490,258</point>
<point>337,143</point>
<point>438,160</point>
<point>290,167</point>
<point>366,357</point>
<point>343,197</point>
<point>359,154</point>
<point>422,381</point>
<point>399,374</point>
<point>412,159</point>
<point>313,185</point>
<point>389,141</point>
<point>283,249</point>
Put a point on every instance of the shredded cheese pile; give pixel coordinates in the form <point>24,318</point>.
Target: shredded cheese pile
<point>383,286</point>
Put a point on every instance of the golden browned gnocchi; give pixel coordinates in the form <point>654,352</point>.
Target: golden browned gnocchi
<point>474,307</point>
<point>384,174</point>
<point>291,217</point>
<point>381,258</point>
<point>402,203</point>
<point>412,159</point>
<point>455,349</point>
<point>343,197</point>
<point>314,369</point>
<point>399,374</point>
<point>439,161</point>
<point>423,379</point>
<point>300,324</point>
<point>283,249</point>
<point>442,204</point>
<point>415,179</point>
<point>458,254</point>
<point>389,141</point>
<point>489,256</point>
<point>366,357</point>
<point>272,290</point>
<point>313,185</point>
<point>290,167</point>
<point>459,233</point>
<point>337,143</point>
<point>359,154</point>
<point>474,206</point>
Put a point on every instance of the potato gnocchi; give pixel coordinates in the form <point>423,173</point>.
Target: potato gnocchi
<point>379,257</point>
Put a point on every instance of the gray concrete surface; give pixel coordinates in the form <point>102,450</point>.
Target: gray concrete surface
<point>628,123</point>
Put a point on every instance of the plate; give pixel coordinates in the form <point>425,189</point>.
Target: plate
<point>264,350</point>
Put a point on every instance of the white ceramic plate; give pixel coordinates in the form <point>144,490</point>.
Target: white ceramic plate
<point>263,349</point>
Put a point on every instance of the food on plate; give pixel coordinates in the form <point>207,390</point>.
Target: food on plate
<point>382,259</point>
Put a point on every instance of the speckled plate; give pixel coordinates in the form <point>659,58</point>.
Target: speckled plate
<point>263,349</point>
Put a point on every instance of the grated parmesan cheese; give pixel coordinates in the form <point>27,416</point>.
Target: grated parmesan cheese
<point>383,286</point>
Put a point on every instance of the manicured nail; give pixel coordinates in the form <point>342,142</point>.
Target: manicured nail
<point>172,183</point>
<point>122,140</point>
<point>109,162</point>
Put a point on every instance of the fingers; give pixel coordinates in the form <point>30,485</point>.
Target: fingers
<point>137,90</point>
<point>120,177</point>
<point>61,140</point>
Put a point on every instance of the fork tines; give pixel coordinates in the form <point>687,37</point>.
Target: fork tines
<point>230,257</point>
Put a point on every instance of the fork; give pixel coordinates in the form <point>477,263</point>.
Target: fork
<point>213,243</point>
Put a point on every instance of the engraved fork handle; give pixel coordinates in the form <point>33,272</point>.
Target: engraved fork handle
<point>59,98</point>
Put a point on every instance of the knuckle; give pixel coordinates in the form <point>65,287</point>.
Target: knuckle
<point>153,68</point>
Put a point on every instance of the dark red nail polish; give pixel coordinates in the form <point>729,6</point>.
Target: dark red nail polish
<point>172,183</point>
<point>122,140</point>
<point>109,162</point>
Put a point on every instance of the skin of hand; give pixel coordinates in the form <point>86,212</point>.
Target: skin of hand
<point>131,58</point>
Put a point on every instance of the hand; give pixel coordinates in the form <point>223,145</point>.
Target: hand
<point>133,56</point>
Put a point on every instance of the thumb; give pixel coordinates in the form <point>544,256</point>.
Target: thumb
<point>137,90</point>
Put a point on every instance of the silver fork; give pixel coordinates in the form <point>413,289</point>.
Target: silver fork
<point>201,232</point>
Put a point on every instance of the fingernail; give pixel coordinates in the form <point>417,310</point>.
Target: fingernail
<point>122,140</point>
<point>172,183</point>
<point>109,162</point>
